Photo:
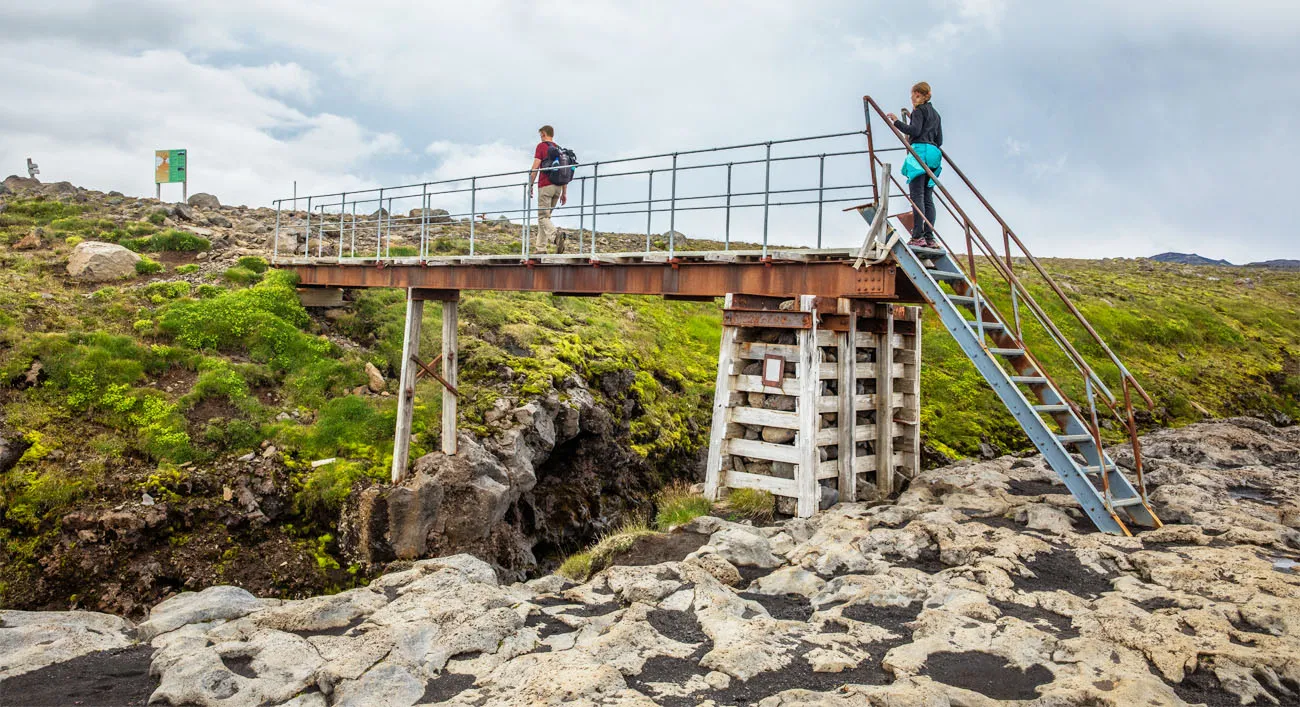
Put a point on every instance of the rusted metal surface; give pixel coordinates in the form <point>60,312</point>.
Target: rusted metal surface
<point>834,322</point>
<point>429,370</point>
<point>766,318</point>
<point>830,278</point>
<point>436,295</point>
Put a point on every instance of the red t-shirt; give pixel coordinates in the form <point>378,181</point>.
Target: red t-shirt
<point>543,178</point>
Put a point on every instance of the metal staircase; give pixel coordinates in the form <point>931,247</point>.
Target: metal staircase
<point>1067,434</point>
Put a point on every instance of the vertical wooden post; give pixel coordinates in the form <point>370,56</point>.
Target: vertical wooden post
<point>808,372</point>
<point>721,410</point>
<point>912,395</point>
<point>406,385</point>
<point>847,415</point>
<point>450,354</point>
<point>885,404</point>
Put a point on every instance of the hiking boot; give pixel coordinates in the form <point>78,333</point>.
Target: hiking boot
<point>559,242</point>
<point>918,242</point>
<point>930,242</point>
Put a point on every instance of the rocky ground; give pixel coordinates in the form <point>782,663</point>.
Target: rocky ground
<point>982,585</point>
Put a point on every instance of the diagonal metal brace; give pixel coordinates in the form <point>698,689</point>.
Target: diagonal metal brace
<point>426,369</point>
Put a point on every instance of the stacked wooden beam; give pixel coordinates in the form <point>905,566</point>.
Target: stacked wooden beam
<point>801,383</point>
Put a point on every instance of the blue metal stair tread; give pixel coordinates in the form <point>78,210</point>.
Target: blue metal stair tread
<point>1007,352</point>
<point>1072,439</point>
<point>946,275</point>
<point>1125,502</point>
<point>986,326</point>
<point>1031,380</point>
<point>927,252</point>
<point>962,300</point>
<point>1052,408</point>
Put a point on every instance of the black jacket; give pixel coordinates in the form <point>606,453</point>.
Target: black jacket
<point>925,126</point>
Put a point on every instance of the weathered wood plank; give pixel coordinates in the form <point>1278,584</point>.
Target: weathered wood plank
<point>830,470</point>
<point>406,387</point>
<point>847,354</point>
<point>723,386</point>
<point>810,420</point>
<point>450,365</point>
<point>766,418</point>
<point>885,391</point>
<point>771,484</point>
<point>754,384</point>
<point>755,351</point>
<point>764,450</point>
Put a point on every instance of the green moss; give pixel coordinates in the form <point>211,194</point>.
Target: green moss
<point>158,217</point>
<point>169,240</point>
<point>147,266</point>
<point>240,276</point>
<point>254,263</point>
<point>751,503</point>
<point>582,565</point>
<point>265,320</point>
<point>187,269</point>
<point>677,506</point>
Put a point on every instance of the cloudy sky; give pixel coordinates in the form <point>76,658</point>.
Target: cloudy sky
<point>1112,127</point>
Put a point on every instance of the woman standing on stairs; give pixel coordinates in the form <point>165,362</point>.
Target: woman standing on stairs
<point>925,131</point>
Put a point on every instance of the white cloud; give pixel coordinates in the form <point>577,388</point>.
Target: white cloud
<point>330,93</point>
<point>111,111</point>
<point>285,80</point>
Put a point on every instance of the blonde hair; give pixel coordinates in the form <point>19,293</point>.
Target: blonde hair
<point>922,88</point>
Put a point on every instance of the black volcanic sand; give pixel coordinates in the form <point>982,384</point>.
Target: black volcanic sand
<point>1061,569</point>
<point>987,674</point>
<point>446,686</point>
<point>680,626</point>
<point>1017,487</point>
<point>789,607</point>
<point>654,549</point>
<point>115,678</point>
<point>1057,625</point>
<point>1203,688</point>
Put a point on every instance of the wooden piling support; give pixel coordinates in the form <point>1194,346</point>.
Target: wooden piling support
<point>847,418</point>
<point>721,409</point>
<point>885,402</point>
<point>406,385</point>
<point>808,372</point>
<point>450,359</point>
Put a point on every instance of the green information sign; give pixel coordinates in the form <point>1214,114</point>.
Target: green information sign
<point>169,166</point>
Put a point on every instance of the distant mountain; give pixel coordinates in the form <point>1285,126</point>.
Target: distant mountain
<point>1277,264</point>
<point>1187,259</point>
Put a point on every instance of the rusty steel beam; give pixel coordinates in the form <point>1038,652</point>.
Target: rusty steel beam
<point>766,318</point>
<point>689,279</point>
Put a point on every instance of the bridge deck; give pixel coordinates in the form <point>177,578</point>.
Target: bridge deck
<point>685,275</point>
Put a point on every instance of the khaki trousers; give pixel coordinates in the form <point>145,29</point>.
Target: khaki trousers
<point>547,199</point>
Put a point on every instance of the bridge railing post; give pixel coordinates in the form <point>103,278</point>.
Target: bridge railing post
<point>473,206</point>
<point>379,226</point>
<point>595,201</point>
<point>275,246</point>
<point>672,213</point>
<point>649,207</point>
<point>726,245</point>
<point>767,192</point>
<point>306,233</point>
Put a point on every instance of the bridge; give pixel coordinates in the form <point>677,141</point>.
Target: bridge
<point>436,239</point>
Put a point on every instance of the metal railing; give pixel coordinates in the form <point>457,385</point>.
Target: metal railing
<point>724,183</point>
<point>1004,265</point>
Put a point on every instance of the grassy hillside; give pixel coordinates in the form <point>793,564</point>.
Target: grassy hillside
<point>1203,342</point>
<point>165,382</point>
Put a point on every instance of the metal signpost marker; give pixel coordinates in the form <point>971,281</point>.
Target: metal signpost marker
<point>32,169</point>
<point>171,166</point>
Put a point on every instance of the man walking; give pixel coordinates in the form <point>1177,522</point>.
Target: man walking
<point>550,194</point>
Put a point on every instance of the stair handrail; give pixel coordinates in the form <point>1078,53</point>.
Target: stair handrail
<point>1128,381</point>
<point>1010,235</point>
